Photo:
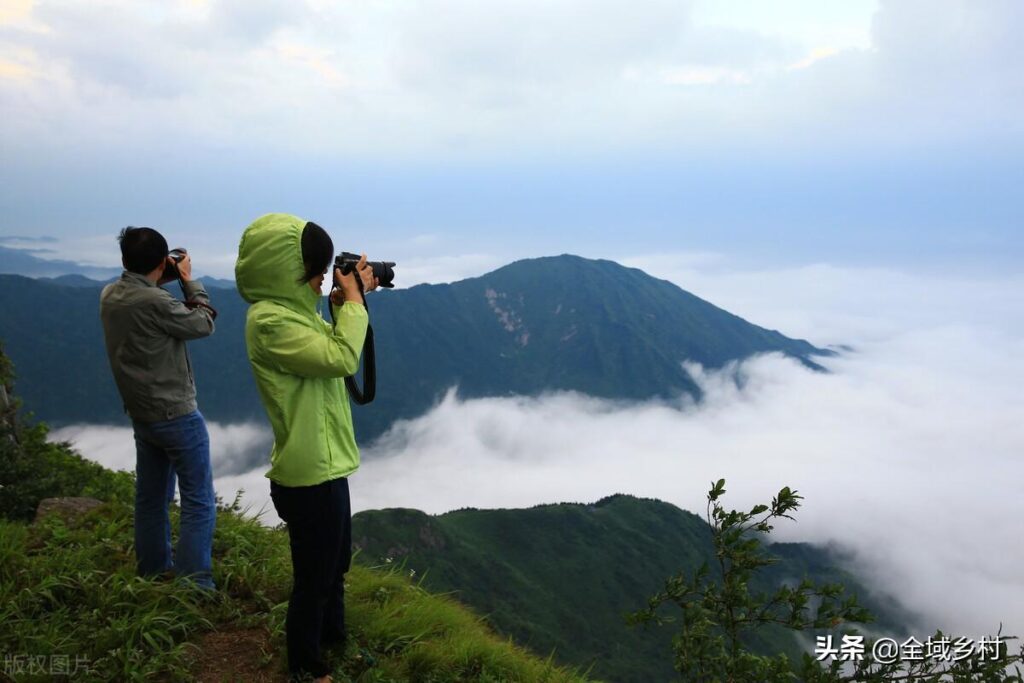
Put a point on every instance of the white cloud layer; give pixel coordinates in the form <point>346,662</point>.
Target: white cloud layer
<point>908,453</point>
<point>232,446</point>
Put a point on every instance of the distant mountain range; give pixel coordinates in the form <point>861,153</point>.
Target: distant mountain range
<point>25,262</point>
<point>534,326</point>
<point>561,577</point>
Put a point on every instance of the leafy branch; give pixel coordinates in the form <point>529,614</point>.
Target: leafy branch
<point>718,611</point>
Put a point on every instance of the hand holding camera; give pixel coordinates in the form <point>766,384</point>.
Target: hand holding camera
<point>348,267</point>
<point>178,267</point>
<point>184,264</point>
<point>347,287</point>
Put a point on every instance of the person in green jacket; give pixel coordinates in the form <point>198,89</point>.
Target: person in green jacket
<point>299,362</point>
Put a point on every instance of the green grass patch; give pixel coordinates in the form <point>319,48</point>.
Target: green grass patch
<point>70,602</point>
<point>68,592</point>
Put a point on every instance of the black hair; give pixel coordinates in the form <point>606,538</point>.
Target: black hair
<point>142,249</point>
<point>317,251</point>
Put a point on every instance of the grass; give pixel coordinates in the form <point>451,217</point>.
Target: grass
<point>72,607</point>
<point>68,589</point>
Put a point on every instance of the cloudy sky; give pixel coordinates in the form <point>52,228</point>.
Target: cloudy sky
<point>847,171</point>
<point>856,131</point>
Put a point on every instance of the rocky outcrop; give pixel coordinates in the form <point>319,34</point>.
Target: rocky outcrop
<point>69,509</point>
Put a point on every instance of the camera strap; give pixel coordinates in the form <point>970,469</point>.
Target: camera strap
<point>369,390</point>
<point>192,304</point>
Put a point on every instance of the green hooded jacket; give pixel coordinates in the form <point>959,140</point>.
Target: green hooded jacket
<point>297,358</point>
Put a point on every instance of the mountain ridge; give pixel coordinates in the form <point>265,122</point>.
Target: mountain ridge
<point>25,262</point>
<point>561,323</point>
<point>559,577</point>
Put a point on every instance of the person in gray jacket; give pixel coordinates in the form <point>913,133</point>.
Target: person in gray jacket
<point>145,329</point>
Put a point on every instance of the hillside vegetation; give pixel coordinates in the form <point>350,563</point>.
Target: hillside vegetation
<point>562,577</point>
<point>70,600</point>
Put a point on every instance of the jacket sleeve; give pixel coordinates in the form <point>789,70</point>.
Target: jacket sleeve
<point>182,322</point>
<point>298,349</point>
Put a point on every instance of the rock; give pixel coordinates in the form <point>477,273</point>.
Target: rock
<point>67,508</point>
<point>430,538</point>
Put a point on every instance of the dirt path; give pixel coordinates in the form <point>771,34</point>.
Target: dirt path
<point>242,655</point>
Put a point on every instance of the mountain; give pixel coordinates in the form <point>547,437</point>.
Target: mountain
<point>561,577</point>
<point>24,262</point>
<point>75,280</point>
<point>556,323</point>
<point>538,325</point>
<point>218,283</point>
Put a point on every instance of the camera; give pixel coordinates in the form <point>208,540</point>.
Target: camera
<point>382,270</point>
<point>171,271</point>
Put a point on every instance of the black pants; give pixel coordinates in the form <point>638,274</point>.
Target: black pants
<point>319,520</point>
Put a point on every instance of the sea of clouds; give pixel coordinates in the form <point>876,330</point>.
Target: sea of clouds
<point>908,452</point>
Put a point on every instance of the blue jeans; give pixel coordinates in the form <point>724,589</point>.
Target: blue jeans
<point>165,450</point>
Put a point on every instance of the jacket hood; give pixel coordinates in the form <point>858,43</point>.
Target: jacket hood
<point>269,265</point>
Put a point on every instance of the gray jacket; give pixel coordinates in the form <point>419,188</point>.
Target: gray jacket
<point>145,330</point>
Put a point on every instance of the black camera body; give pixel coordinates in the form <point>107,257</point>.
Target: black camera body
<point>171,271</point>
<point>382,270</point>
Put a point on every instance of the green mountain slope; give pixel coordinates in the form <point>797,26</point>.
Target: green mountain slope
<point>561,577</point>
<point>557,323</point>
